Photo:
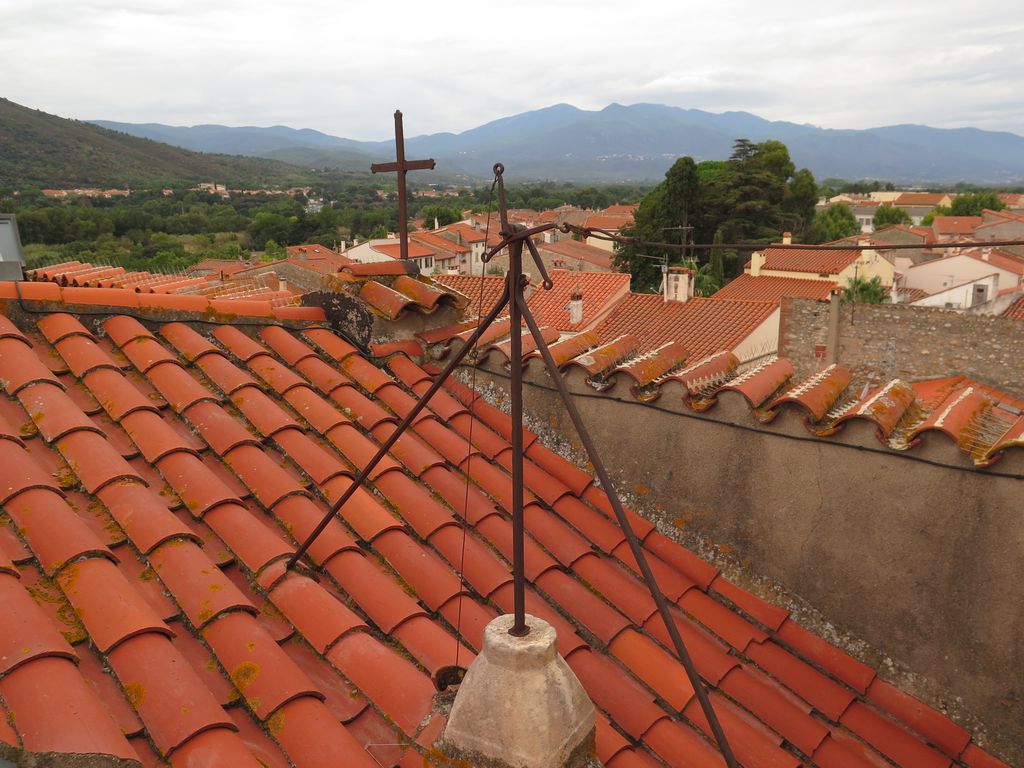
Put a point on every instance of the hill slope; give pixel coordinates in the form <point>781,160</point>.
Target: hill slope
<point>639,142</point>
<point>40,149</point>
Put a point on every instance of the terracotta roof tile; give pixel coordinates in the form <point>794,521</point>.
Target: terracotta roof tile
<point>600,292</point>
<point>823,261</point>
<point>703,326</point>
<point>771,288</point>
<point>361,671</point>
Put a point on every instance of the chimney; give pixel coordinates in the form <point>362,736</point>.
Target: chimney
<point>520,705</point>
<point>787,238</point>
<point>756,261</point>
<point>677,284</point>
<point>282,284</point>
<point>576,308</point>
<point>985,254</point>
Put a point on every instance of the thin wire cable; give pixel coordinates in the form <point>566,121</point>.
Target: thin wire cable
<point>469,437</point>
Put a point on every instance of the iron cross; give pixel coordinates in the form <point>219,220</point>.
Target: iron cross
<point>401,167</point>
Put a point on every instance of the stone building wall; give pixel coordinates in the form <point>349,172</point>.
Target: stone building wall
<point>880,342</point>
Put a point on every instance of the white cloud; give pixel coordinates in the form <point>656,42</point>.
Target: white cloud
<point>343,67</point>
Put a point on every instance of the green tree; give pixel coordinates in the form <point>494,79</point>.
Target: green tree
<point>929,217</point>
<point>444,214</point>
<point>887,215</point>
<point>862,291</point>
<point>270,226</point>
<point>833,223</point>
<point>800,199</point>
<point>972,204</point>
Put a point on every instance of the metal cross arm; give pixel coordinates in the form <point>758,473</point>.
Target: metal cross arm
<point>401,166</point>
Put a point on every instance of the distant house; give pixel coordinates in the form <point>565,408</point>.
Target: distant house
<point>938,275</point>
<point>450,257</point>
<point>703,326</point>
<point>575,255</point>
<point>838,266</point>
<point>390,248</point>
<point>949,228</point>
<point>612,219</point>
<point>919,204</point>
<point>1001,225</point>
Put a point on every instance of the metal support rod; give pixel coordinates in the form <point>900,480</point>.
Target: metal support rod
<point>360,479</point>
<point>514,287</point>
<point>634,544</point>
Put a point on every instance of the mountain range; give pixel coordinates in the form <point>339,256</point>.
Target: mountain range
<point>39,149</point>
<point>629,143</point>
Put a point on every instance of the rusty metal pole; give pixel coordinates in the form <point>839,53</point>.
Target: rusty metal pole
<point>386,446</point>
<point>634,544</point>
<point>515,290</point>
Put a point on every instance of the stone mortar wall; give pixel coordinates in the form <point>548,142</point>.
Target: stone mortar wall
<point>879,342</point>
<point>912,566</point>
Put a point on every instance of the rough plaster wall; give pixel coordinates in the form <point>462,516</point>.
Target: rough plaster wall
<point>919,563</point>
<point>878,342</point>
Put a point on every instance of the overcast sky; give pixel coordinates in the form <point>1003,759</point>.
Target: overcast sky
<point>342,67</point>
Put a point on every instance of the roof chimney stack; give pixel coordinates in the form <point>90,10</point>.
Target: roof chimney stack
<point>756,261</point>
<point>677,284</point>
<point>576,308</point>
<point>787,238</point>
<point>520,705</point>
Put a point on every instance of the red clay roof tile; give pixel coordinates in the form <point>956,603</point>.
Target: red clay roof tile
<point>168,695</point>
<point>818,393</point>
<point>27,634</point>
<point>265,676</point>
<point>772,288</point>
<point>611,687</point>
<point>424,499</point>
<point>753,744</point>
<point>389,681</point>
<point>56,711</point>
<point>891,740</point>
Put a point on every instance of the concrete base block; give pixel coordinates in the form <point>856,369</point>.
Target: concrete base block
<point>520,705</point>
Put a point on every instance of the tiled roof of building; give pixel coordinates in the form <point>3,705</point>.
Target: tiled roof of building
<point>824,261</point>
<point>910,295</point>
<point>157,475</point>
<point>391,289</point>
<point>771,288</point>
<point>921,198</point>
<point>394,250</point>
<point>483,291</point>
<point>997,257</point>
<point>956,225</point>
<point>573,250</point>
<point>463,230</point>
<point>602,221</point>
<point>703,326</point>
<point>317,252</point>
<point>446,248</point>
<point>1016,310</point>
<point>191,292</point>
<point>226,267</point>
<point>600,292</point>
<point>621,210</point>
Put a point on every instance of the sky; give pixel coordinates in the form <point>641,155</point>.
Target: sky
<point>343,67</point>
